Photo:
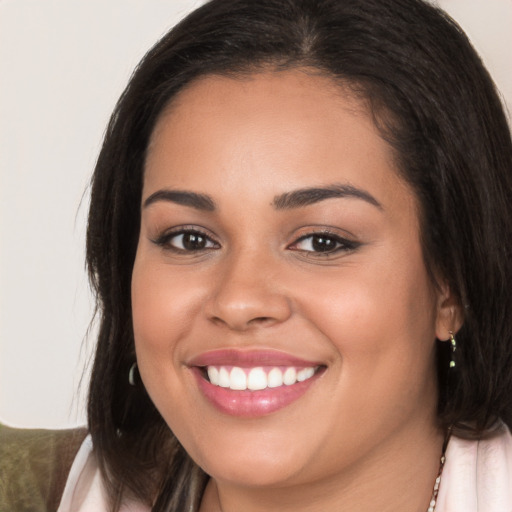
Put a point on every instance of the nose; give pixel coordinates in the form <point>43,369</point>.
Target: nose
<point>248,294</point>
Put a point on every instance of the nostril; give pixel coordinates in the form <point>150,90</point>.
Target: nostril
<point>261,320</point>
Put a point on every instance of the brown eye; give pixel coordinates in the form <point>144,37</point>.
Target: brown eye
<point>193,241</point>
<point>186,241</point>
<point>317,243</point>
<point>323,243</point>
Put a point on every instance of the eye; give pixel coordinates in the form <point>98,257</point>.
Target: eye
<point>186,240</point>
<point>325,243</point>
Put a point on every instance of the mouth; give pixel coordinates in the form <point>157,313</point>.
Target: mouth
<point>257,378</point>
<point>255,383</point>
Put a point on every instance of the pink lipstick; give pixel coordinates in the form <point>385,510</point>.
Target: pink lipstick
<point>253,383</point>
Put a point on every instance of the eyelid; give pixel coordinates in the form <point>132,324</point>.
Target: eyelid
<point>166,236</point>
<point>345,243</point>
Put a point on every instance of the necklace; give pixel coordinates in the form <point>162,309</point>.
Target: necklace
<point>437,483</point>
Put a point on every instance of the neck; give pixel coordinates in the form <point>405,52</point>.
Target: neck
<point>397,477</point>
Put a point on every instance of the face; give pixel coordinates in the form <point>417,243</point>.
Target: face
<point>284,320</point>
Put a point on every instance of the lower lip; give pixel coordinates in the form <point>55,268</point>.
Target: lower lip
<point>251,404</point>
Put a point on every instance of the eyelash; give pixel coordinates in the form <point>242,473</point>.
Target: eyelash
<point>340,244</point>
<point>165,240</point>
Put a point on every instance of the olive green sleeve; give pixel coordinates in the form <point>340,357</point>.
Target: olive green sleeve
<point>34,464</point>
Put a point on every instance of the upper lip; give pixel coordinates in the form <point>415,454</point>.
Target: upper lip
<point>236,357</point>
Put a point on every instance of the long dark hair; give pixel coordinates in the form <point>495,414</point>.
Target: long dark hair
<point>431,99</point>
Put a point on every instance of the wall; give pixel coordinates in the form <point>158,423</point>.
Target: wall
<point>63,63</point>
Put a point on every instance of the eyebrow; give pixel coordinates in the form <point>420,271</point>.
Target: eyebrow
<point>287,201</point>
<point>307,196</point>
<point>183,197</point>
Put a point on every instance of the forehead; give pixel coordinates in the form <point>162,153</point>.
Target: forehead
<point>285,84</point>
<point>297,124</point>
<point>270,101</point>
<point>306,92</point>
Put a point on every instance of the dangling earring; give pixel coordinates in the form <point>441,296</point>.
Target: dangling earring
<point>453,343</point>
<point>131,374</point>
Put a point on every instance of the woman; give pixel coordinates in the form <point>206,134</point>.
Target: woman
<point>300,239</point>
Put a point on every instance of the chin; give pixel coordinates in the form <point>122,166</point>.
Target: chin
<point>252,459</point>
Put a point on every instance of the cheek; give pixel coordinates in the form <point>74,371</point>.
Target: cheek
<point>162,303</point>
<point>161,307</point>
<point>384,339</point>
<point>380,317</point>
<point>161,310</point>
<point>373,299</point>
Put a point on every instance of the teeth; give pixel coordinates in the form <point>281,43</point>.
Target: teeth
<point>305,374</point>
<point>238,379</point>
<point>254,379</point>
<point>275,378</point>
<point>257,379</point>
<point>224,380</point>
<point>290,376</point>
<point>213,375</point>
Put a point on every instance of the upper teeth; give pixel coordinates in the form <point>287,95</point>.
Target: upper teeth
<point>254,379</point>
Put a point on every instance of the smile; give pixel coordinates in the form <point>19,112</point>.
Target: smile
<point>258,378</point>
<point>251,384</point>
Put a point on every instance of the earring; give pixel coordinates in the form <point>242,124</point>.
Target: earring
<point>453,343</point>
<point>131,374</point>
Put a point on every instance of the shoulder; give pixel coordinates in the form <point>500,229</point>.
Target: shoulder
<point>34,465</point>
<point>478,475</point>
<point>85,490</point>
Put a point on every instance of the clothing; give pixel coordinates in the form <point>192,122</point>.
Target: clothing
<point>34,466</point>
<point>477,477</point>
<point>84,491</point>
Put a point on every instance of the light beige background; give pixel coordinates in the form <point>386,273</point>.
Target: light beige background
<point>63,63</point>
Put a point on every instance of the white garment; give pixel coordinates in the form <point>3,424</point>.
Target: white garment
<point>477,477</point>
<point>84,491</point>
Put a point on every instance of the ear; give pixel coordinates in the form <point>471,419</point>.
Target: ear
<point>449,316</point>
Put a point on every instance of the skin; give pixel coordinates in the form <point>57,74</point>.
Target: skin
<point>364,436</point>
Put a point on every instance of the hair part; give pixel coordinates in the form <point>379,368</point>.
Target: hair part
<point>432,101</point>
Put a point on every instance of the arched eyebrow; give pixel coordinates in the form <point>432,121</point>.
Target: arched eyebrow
<point>183,197</point>
<point>306,196</point>
<point>287,201</point>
